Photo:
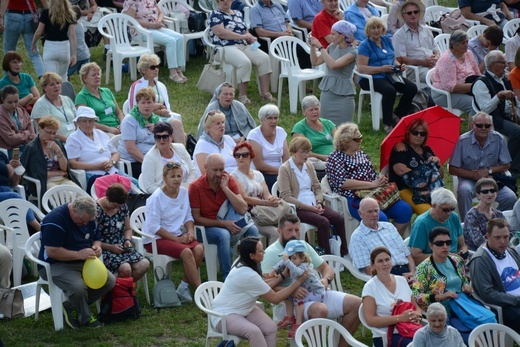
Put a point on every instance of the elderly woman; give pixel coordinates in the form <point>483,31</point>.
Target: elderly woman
<point>238,119</point>
<point>350,169</point>
<point>358,14</point>
<point>100,99</point>
<point>240,49</point>
<point>299,185</point>
<point>12,65</point>
<point>162,152</point>
<point>376,57</point>
<point>381,293</point>
<point>114,228</point>
<point>415,168</point>
<point>269,143</point>
<point>475,222</point>
<point>437,332</point>
<point>90,149</point>
<point>455,71</point>
<point>337,89</point>
<point>214,140</point>
<point>16,129</point>
<point>45,157</point>
<point>53,103</point>
<point>169,219</point>
<point>150,16</point>
<point>253,188</point>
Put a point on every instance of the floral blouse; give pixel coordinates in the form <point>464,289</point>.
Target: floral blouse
<point>450,71</point>
<point>145,10</point>
<point>475,227</point>
<point>428,281</point>
<point>233,22</point>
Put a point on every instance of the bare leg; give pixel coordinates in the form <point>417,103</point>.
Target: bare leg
<point>191,273</point>
<point>179,136</point>
<point>125,270</point>
<point>265,80</point>
<point>139,269</point>
<point>242,88</point>
<point>350,320</point>
<point>299,314</point>
<point>289,308</point>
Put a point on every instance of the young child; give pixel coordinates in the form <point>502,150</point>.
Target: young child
<point>82,50</point>
<point>295,258</point>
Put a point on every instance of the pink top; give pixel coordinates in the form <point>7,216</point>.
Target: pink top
<point>145,10</point>
<point>449,70</point>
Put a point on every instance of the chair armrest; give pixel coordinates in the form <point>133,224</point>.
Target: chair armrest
<point>433,29</point>
<point>496,308</point>
<point>381,9</point>
<point>349,264</point>
<point>171,23</point>
<point>20,190</point>
<point>81,176</point>
<point>36,183</point>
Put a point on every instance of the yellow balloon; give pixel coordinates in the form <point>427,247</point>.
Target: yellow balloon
<point>94,273</point>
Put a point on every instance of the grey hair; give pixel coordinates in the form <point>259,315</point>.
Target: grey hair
<point>309,101</point>
<point>436,309</point>
<point>457,37</point>
<point>84,204</point>
<point>268,110</point>
<point>492,57</point>
<point>443,196</point>
<point>147,60</point>
<point>483,114</point>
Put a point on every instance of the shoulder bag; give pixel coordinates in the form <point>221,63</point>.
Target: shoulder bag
<point>164,293</point>
<point>471,312</point>
<point>270,215</point>
<point>211,77</point>
<point>385,196</point>
<point>11,303</point>
<point>405,329</point>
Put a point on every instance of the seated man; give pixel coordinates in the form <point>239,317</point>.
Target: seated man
<point>494,95</point>
<point>303,12</point>
<point>494,272</point>
<point>481,152</point>
<point>487,12</point>
<point>441,214</point>
<point>370,234</point>
<point>335,304</point>
<point>324,20</point>
<point>69,237</point>
<point>488,41</point>
<point>207,195</point>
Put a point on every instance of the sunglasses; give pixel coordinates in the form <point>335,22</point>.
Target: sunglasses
<point>480,125</point>
<point>50,132</point>
<point>153,67</point>
<point>448,210</point>
<point>412,12</point>
<point>358,139</point>
<point>418,133</point>
<point>172,165</point>
<point>161,137</point>
<point>243,155</point>
<point>485,191</point>
<point>442,243</point>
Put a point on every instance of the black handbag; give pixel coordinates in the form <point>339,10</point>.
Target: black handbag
<point>197,21</point>
<point>135,201</point>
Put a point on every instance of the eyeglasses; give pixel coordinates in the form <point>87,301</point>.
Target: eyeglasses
<point>161,137</point>
<point>442,243</point>
<point>485,191</point>
<point>418,133</point>
<point>50,132</point>
<point>153,67</point>
<point>358,139</point>
<point>243,155</point>
<point>448,210</point>
<point>412,12</point>
<point>481,125</point>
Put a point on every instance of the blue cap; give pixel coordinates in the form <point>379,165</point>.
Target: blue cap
<point>294,246</point>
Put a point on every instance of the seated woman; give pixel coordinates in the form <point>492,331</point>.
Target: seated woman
<point>214,140</point>
<point>150,16</point>
<point>242,287</point>
<point>16,128</point>
<point>455,72</point>
<point>12,65</point>
<point>358,14</point>
<point>253,188</point>
<point>437,332</point>
<point>381,293</point>
<point>229,30</point>
<point>238,119</point>
<point>376,57</point>
<point>412,161</point>
<point>269,141</point>
<point>349,169</point>
<point>168,217</point>
<point>514,74</point>
<point>475,222</point>
<point>319,131</point>
<point>164,151</point>
<point>100,99</point>
<point>54,104</point>
<point>45,158</point>
<point>299,185</point>
<point>113,225</point>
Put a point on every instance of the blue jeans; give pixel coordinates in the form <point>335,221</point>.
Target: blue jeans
<point>401,211</point>
<point>20,24</point>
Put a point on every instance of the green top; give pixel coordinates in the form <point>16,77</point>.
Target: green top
<point>24,87</point>
<point>100,106</point>
<point>321,140</point>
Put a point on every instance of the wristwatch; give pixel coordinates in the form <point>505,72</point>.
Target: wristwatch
<point>113,162</point>
<point>490,170</point>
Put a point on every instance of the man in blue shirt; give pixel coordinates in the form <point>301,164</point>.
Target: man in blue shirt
<point>303,11</point>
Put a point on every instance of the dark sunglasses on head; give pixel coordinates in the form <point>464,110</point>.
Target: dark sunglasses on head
<point>243,155</point>
<point>418,133</point>
<point>358,139</point>
<point>442,243</point>
<point>161,137</point>
<point>447,210</point>
<point>480,125</point>
<point>485,191</point>
<point>172,165</point>
<point>153,67</point>
<point>412,12</point>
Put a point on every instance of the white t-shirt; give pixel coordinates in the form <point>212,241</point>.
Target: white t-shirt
<point>306,195</point>
<point>207,147</point>
<point>508,271</point>
<point>79,146</point>
<point>253,187</point>
<point>511,48</point>
<point>272,152</point>
<point>385,300</point>
<point>167,213</point>
<point>241,289</point>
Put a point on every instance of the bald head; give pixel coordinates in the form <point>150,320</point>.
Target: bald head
<point>215,166</point>
<point>214,159</point>
<point>369,212</point>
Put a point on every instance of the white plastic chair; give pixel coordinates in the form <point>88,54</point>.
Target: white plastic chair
<point>510,29</point>
<point>429,82</point>
<point>216,53</point>
<point>204,296</point>
<point>284,50</point>
<point>375,101</point>
<point>123,165</point>
<point>376,332</point>
<point>210,254</point>
<point>497,309</point>
<point>434,13</point>
<point>60,195</point>
<point>336,262</point>
<point>13,215</point>
<point>442,42</point>
<point>67,89</point>
<point>38,186</point>
<point>493,335</point>
<point>476,30</point>
<point>322,332</point>
<point>115,27</point>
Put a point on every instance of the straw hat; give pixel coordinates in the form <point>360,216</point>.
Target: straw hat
<point>406,3</point>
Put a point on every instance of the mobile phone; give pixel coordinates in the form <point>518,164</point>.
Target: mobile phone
<point>241,223</point>
<point>16,153</point>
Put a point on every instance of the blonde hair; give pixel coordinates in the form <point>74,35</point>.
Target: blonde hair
<point>373,22</point>
<point>147,60</point>
<point>299,143</point>
<point>49,122</point>
<point>145,93</point>
<point>49,77</point>
<point>85,69</point>
<point>211,117</point>
<point>343,135</point>
<point>60,13</point>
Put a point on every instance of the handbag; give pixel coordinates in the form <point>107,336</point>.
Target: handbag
<point>270,215</point>
<point>210,77</point>
<point>405,329</point>
<point>334,242</point>
<point>471,312</point>
<point>385,196</point>
<point>11,303</point>
<point>422,180</point>
<point>452,21</point>
<point>197,21</point>
<point>395,78</point>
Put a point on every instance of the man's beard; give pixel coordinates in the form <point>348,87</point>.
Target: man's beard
<point>284,241</point>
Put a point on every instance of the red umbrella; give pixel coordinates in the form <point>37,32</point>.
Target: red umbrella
<point>443,133</point>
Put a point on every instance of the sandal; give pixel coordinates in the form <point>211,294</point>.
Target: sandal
<point>177,79</point>
<point>267,96</point>
<point>245,100</point>
<point>292,333</point>
<point>286,322</point>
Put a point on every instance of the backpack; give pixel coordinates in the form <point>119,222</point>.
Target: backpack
<point>405,329</point>
<point>164,293</point>
<point>471,312</point>
<point>452,21</point>
<point>120,303</point>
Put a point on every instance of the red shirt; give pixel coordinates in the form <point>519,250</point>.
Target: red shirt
<point>21,5</point>
<point>205,198</point>
<point>321,26</point>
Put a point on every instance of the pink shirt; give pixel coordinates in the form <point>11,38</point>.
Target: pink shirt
<point>449,70</point>
<point>145,10</point>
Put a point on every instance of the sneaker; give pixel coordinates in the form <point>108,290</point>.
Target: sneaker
<point>184,294</point>
<point>93,323</point>
<point>286,322</point>
<point>70,315</point>
<point>292,333</point>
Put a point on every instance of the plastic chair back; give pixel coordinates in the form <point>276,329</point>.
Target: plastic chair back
<point>323,332</point>
<point>493,335</point>
<point>60,195</point>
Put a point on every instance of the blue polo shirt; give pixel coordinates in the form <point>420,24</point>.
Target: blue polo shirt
<point>272,18</point>
<point>378,56</point>
<point>304,9</point>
